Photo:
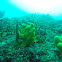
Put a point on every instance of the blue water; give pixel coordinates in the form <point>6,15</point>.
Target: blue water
<point>10,10</point>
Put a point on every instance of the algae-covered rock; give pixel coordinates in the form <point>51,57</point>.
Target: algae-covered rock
<point>27,34</point>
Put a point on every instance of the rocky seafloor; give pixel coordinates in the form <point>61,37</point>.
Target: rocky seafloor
<point>46,28</point>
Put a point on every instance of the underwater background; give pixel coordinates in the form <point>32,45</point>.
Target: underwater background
<point>27,36</point>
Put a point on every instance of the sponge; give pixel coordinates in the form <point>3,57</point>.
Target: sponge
<point>58,43</point>
<point>27,34</point>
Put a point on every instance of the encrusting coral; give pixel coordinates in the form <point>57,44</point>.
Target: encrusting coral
<point>27,34</point>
